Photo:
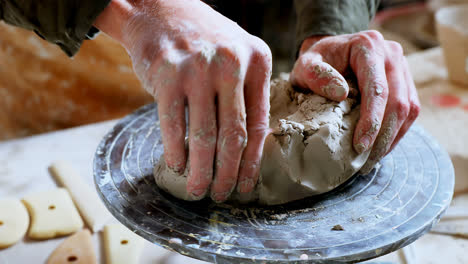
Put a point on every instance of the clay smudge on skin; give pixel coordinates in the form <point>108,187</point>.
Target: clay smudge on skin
<point>206,136</point>
<point>372,85</point>
<point>322,73</point>
<point>383,142</point>
<point>374,128</point>
<point>219,163</point>
<point>335,88</point>
<point>172,115</point>
<point>207,50</point>
<point>364,51</point>
<point>245,184</point>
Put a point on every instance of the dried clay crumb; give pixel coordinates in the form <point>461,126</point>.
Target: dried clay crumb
<point>337,228</point>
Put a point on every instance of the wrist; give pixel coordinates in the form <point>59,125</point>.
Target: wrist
<point>114,18</point>
<point>309,42</point>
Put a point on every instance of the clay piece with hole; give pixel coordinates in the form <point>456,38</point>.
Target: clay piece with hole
<point>84,196</point>
<point>52,214</point>
<point>76,249</point>
<point>121,245</point>
<point>14,222</point>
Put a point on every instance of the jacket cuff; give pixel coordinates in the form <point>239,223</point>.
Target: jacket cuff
<point>66,23</point>
<point>332,17</point>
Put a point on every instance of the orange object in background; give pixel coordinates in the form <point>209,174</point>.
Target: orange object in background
<point>41,89</point>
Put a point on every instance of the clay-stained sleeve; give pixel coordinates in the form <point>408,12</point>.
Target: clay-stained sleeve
<point>332,17</point>
<point>66,23</point>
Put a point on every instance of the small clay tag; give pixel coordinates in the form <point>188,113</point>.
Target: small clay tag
<point>52,214</point>
<point>76,249</point>
<point>86,200</point>
<point>121,245</point>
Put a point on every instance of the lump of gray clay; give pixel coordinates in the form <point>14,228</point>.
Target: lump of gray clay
<point>309,151</point>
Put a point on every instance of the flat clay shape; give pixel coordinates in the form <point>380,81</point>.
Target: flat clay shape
<point>14,222</point>
<point>121,245</point>
<point>52,214</point>
<point>76,249</point>
<point>85,198</point>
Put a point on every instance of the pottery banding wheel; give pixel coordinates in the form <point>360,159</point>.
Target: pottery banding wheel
<point>379,212</point>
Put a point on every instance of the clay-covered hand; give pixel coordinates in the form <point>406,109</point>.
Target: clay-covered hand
<point>186,53</point>
<point>389,101</point>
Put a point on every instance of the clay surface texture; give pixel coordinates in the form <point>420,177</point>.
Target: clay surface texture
<point>308,152</point>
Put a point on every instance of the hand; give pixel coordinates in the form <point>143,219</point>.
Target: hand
<point>185,53</point>
<point>389,101</point>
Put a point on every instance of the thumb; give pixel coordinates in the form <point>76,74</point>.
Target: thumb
<point>311,72</point>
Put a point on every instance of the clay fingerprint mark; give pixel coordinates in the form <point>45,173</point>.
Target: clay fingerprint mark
<point>445,100</point>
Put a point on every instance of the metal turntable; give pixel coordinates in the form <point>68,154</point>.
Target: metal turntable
<point>366,217</point>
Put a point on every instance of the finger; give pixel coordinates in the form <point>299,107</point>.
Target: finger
<point>369,67</point>
<point>257,101</point>
<point>171,110</point>
<point>202,142</point>
<point>396,112</point>
<point>414,104</point>
<point>311,72</point>
<point>232,136</point>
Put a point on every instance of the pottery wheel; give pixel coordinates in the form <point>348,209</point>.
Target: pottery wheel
<point>368,216</point>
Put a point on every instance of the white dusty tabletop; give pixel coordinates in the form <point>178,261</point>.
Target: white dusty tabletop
<point>24,163</point>
<point>24,170</point>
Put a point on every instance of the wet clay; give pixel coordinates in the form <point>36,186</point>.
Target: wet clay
<point>308,152</point>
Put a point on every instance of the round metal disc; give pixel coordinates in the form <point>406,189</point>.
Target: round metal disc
<point>368,216</point>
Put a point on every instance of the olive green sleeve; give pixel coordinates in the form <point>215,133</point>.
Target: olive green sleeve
<point>332,17</point>
<point>63,22</point>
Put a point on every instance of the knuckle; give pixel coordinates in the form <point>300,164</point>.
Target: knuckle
<point>303,65</point>
<point>392,65</point>
<point>204,138</point>
<point>377,88</point>
<point>402,109</point>
<point>374,35</point>
<point>257,132</point>
<point>229,63</point>
<point>262,58</point>
<point>228,55</point>
<point>415,109</point>
<point>235,136</point>
<point>395,47</point>
<point>364,40</point>
<point>262,51</point>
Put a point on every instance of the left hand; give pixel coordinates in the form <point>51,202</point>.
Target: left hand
<point>389,101</point>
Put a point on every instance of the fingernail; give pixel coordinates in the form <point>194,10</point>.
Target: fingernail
<point>340,91</point>
<point>219,197</point>
<point>334,90</point>
<point>363,145</point>
<point>197,194</point>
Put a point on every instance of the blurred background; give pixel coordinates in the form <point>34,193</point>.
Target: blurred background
<point>42,90</point>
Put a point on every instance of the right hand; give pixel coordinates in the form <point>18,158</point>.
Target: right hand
<point>184,52</point>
